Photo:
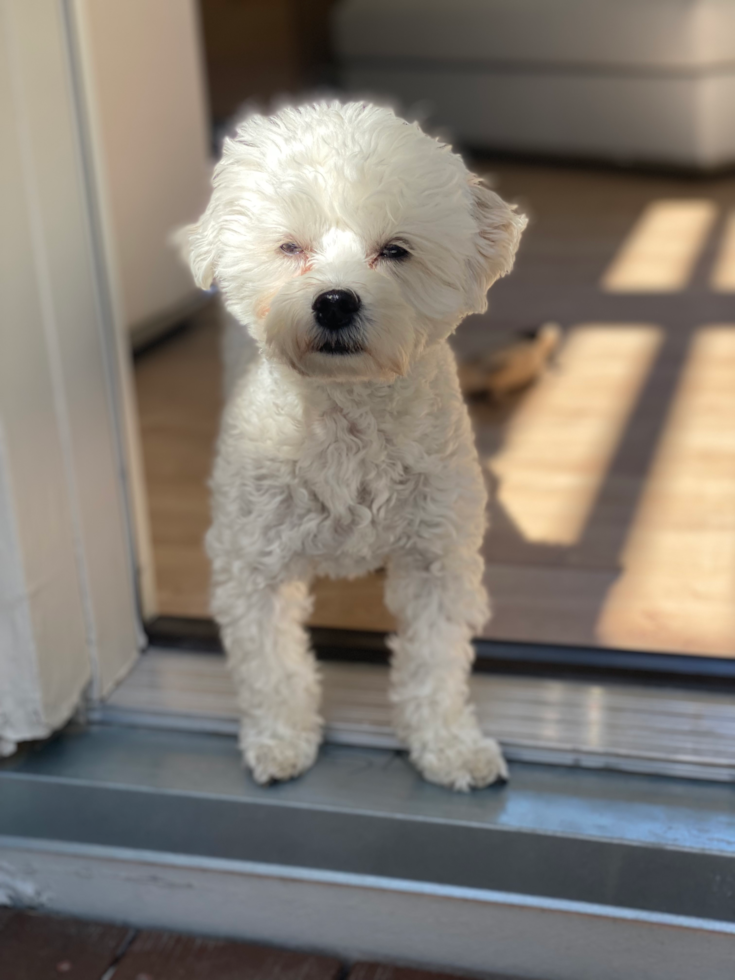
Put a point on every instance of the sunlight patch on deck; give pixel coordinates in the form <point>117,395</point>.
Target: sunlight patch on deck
<point>678,588</point>
<point>561,441</point>
<point>662,248</point>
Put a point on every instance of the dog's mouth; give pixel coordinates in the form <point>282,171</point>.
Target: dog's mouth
<point>339,348</point>
<point>340,343</point>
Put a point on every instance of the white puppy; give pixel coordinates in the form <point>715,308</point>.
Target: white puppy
<point>350,245</point>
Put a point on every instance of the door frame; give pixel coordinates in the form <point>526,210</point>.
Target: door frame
<point>70,526</point>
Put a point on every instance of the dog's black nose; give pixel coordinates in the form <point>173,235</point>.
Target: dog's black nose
<point>336,308</point>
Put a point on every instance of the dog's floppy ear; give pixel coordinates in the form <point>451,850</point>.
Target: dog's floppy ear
<point>197,245</point>
<point>499,233</point>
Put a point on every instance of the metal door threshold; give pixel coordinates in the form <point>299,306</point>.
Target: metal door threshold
<point>620,726</point>
<point>562,874</point>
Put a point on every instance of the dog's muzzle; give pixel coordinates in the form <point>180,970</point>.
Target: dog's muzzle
<point>335,311</point>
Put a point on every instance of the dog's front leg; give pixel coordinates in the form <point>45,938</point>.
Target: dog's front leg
<point>274,671</point>
<point>439,603</point>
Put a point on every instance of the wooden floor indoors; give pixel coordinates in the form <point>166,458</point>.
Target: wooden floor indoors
<point>613,520</point>
<point>38,947</point>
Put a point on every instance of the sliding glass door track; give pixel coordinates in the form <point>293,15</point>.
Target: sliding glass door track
<point>496,656</point>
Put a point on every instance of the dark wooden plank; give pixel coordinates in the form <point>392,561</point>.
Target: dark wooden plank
<point>36,947</point>
<point>165,956</point>
<point>381,971</point>
<point>5,916</point>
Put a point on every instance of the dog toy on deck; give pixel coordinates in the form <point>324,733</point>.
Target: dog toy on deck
<point>510,368</point>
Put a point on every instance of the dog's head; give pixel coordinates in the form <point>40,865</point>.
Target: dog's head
<point>346,239</point>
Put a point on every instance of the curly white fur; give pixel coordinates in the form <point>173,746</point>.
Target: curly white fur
<point>338,464</point>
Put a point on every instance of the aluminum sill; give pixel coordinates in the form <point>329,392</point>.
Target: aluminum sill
<point>656,730</point>
<point>613,840</point>
<point>162,828</point>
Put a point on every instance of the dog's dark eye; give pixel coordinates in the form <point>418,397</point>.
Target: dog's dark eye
<point>396,252</point>
<point>291,248</point>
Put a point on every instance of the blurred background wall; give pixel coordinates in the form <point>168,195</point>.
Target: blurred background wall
<point>257,49</point>
<point>149,126</point>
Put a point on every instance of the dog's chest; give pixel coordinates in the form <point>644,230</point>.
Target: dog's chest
<point>354,479</point>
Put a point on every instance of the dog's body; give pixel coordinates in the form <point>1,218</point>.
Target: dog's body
<point>350,245</point>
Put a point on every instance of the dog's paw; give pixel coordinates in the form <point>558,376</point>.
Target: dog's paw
<point>460,764</point>
<point>281,757</point>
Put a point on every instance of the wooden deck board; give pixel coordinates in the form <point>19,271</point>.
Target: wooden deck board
<point>383,971</point>
<point>35,947</point>
<point>599,532</point>
<point>41,947</point>
<point>166,956</point>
